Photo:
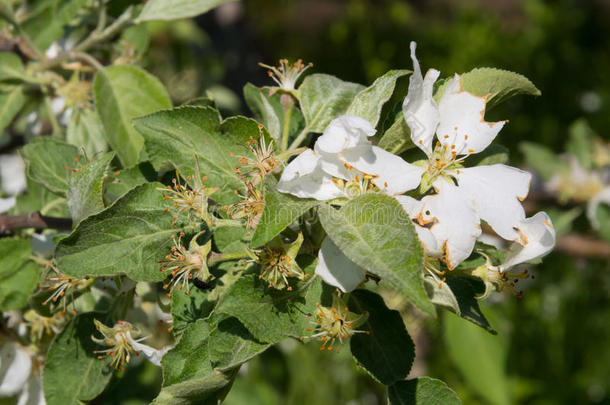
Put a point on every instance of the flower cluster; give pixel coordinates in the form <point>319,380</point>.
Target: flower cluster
<point>455,199</point>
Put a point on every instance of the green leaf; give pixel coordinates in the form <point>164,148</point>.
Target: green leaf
<point>204,362</point>
<point>387,353</point>
<point>46,161</point>
<point>259,102</point>
<point>369,102</point>
<point>271,315</point>
<point>129,237</point>
<point>72,372</point>
<point>323,98</point>
<point>458,295</point>
<point>176,9</point>
<point>85,130</point>
<point>186,309</point>
<point>11,101</point>
<point>126,179</point>
<point>121,94</point>
<point>397,138</point>
<point>47,24</point>
<point>422,391</point>
<point>497,84</point>
<point>232,239</point>
<point>38,198</point>
<point>563,220</point>
<point>177,136</point>
<point>542,159</point>
<point>280,211</point>
<point>581,143</point>
<point>11,67</point>
<point>375,233</point>
<point>480,357</point>
<point>87,188</point>
<point>18,275</point>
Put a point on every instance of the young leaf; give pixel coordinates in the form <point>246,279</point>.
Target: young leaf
<point>177,136</point>
<point>18,275</point>
<point>11,101</point>
<point>268,113</point>
<point>46,160</point>
<point>498,85</point>
<point>72,372</point>
<point>480,357</point>
<point>11,67</point>
<point>176,9</point>
<point>121,94</point>
<point>271,315</point>
<point>387,353</point>
<point>129,237</point>
<point>397,138</point>
<point>369,102</point>
<point>458,295</point>
<point>323,98</point>
<point>422,391</point>
<point>375,232</point>
<point>231,344</point>
<point>581,143</point>
<point>85,130</point>
<point>38,198</point>
<point>280,211</point>
<point>87,188</point>
<point>124,180</point>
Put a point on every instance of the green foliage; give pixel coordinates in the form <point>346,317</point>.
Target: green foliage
<point>369,102</point>
<point>175,137</point>
<point>361,229</point>
<point>72,371</point>
<point>48,162</point>
<point>387,351</point>
<point>422,391</point>
<point>397,138</point>
<point>123,93</point>
<point>87,188</point>
<point>18,275</point>
<point>543,160</point>
<point>280,211</point>
<point>495,84</point>
<point>11,100</point>
<point>85,130</point>
<point>323,98</point>
<point>176,9</point>
<point>129,237</point>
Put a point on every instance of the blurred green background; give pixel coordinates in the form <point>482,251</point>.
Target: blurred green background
<point>553,345</point>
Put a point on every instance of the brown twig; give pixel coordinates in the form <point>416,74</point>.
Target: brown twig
<point>579,245</point>
<point>33,220</point>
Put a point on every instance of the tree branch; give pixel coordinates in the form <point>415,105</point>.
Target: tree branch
<point>579,245</point>
<point>33,220</point>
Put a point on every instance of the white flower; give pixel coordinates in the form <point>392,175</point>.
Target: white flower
<point>345,164</point>
<point>17,376</point>
<point>336,269</point>
<point>465,196</point>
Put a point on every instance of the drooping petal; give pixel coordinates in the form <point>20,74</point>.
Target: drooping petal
<point>419,108</point>
<point>153,355</point>
<point>462,120</point>
<point>602,197</point>
<point>32,393</point>
<point>15,368</point>
<point>538,239</point>
<point>346,131</point>
<point>452,220</point>
<point>305,178</point>
<point>426,238</point>
<point>336,269</point>
<point>496,191</point>
<point>390,172</point>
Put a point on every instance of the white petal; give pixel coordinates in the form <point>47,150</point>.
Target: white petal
<point>391,173</point>
<point>15,368</point>
<point>336,269</point>
<point>32,393</point>
<point>496,192</point>
<point>344,132</point>
<point>538,237</point>
<point>7,203</point>
<point>462,121</point>
<point>493,240</point>
<point>426,238</point>
<point>153,355</point>
<point>305,178</point>
<point>419,108</point>
<point>12,174</point>
<point>602,197</point>
<point>452,220</point>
